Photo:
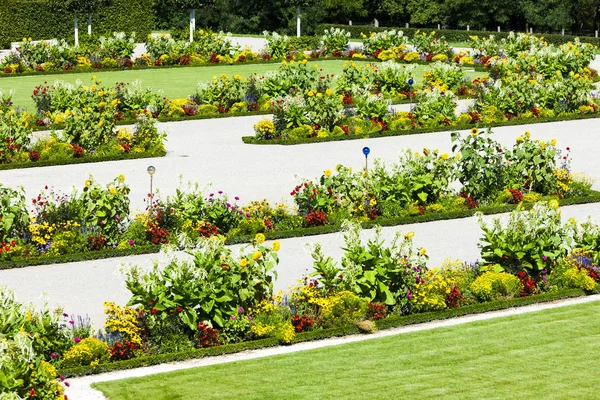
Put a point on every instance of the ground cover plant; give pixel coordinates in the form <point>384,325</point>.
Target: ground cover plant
<point>425,185</point>
<point>568,337</point>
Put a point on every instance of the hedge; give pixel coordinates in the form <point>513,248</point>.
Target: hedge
<point>513,122</point>
<point>451,35</point>
<point>387,323</point>
<point>85,160</point>
<point>594,197</point>
<point>35,19</point>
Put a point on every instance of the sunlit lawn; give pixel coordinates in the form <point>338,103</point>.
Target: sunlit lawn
<point>174,82</point>
<point>542,355</point>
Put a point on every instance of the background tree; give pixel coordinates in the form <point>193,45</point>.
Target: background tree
<point>79,7</point>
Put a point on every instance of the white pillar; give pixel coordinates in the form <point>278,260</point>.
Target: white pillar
<point>350,22</point>
<point>407,25</point>
<point>192,24</point>
<point>76,31</point>
<point>563,32</point>
<point>498,29</point>
<point>298,21</point>
<point>596,33</point>
<point>89,23</point>
<point>439,27</point>
<point>531,31</point>
<point>468,28</point>
<point>376,23</point>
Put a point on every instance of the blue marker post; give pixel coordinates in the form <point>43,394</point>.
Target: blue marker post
<point>411,82</point>
<point>366,152</point>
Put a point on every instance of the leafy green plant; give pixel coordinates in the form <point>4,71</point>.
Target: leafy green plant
<point>532,240</point>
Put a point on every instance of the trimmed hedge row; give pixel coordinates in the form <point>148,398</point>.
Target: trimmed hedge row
<point>85,160</point>
<point>387,323</point>
<point>78,257</point>
<point>514,122</point>
<point>451,35</point>
<point>302,232</point>
<point>35,19</point>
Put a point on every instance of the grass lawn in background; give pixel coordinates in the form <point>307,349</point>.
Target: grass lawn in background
<point>174,82</point>
<point>545,354</point>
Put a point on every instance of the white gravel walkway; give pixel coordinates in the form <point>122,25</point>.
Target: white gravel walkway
<point>80,389</point>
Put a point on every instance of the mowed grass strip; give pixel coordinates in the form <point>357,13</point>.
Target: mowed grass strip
<point>551,354</point>
<point>180,82</point>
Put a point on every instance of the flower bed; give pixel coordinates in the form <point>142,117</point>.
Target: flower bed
<point>219,303</point>
<point>415,189</point>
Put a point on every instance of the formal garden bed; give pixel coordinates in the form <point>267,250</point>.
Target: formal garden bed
<point>97,222</point>
<point>218,303</point>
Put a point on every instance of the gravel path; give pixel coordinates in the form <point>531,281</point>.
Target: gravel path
<point>208,150</point>
<point>80,387</point>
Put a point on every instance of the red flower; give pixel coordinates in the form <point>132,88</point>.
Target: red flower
<point>179,309</point>
<point>154,311</point>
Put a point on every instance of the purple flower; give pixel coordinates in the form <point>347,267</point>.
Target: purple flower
<point>65,315</point>
<point>211,195</point>
<point>220,192</point>
<point>237,198</point>
<point>101,223</point>
<point>233,317</point>
<point>117,218</point>
<point>240,310</point>
<point>543,278</point>
<point>250,317</point>
<point>228,205</point>
<point>544,258</point>
<point>53,355</point>
<point>77,340</point>
<point>241,212</point>
<point>72,322</point>
<point>247,215</point>
<point>131,242</point>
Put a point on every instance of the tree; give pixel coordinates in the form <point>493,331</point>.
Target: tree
<point>547,14</point>
<point>79,7</point>
<point>299,4</point>
<point>190,5</point>
<point>344,10</point>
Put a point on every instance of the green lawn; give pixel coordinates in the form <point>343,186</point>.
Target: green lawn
<point>546,354</point>
<point>174,82</point>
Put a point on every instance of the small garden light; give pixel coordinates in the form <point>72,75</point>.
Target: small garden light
<point>151,170</point>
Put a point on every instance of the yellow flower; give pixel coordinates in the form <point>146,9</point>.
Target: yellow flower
<point>445,156</point>
<point>423,251</point>
<point>426,152</point>
<point>276,246</point>
<point>553,204</point>
<point>373,202</point>
<point>553,142</point>
<point>257,255</point>
<point>115,102</point>
<point>94,77</point>
<point>259,238</point>
<point>304,62</point>
<point>102,104</point>
<point>310,93</point>
<point>474,131</point>
<point>329,92</point>
<point>88,183</point>
<point>327,172</point>
<point>112,190</point>
<point>409,235</point>
<point>243,262</point>
<point>121,178</point>
<point>223,76</point>
<point>527,134</point>
<point>519,139</point>
<point>100,124</point>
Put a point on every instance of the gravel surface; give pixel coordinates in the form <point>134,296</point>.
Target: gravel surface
<point>211,150</point>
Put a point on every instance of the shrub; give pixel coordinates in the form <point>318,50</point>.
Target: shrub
<point>89,351</point>
<point>493,285</point>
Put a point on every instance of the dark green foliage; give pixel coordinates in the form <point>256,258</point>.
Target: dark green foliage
<point>40,19</point>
